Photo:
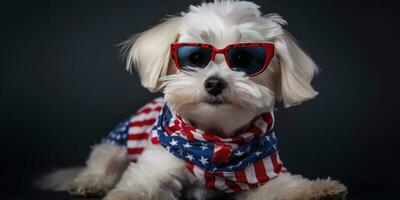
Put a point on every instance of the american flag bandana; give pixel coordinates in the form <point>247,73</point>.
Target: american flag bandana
<point>233,164</point>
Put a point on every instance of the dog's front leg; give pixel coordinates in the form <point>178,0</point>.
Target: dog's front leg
<point>295,187</point>
<point>104,168</point>
<point>156,175</point>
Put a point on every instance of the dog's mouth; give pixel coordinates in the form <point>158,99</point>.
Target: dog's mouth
<point>215,100</point>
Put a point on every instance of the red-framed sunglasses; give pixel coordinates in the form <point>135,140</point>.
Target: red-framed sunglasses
<point>251,58</point>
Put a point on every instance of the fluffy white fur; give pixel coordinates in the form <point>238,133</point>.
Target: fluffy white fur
<point>220,23</point>
<point>243,99</point>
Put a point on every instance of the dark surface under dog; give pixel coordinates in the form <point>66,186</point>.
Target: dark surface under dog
<point>66,196</point>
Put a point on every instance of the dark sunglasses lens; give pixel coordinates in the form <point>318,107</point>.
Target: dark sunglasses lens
<point>193,56</point>
<point>247,59</point>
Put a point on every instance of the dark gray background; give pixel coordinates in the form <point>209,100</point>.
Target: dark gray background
<point>63,86</point>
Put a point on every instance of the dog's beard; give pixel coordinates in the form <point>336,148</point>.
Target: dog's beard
<point>237,105</point>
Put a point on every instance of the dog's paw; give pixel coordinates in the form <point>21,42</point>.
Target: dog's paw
<point>327,189</point>
<point>90,186</point>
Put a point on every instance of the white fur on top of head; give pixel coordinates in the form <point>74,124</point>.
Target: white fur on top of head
<point>242,20</point>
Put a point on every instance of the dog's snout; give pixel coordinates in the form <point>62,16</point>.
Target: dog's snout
<point>215,85</point>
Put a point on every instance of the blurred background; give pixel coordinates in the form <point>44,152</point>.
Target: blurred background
<point>63,86</point>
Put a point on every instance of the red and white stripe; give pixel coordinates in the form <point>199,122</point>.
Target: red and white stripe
<point>140,127</point>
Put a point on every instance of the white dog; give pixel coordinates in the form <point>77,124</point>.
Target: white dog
<point>222,74</point>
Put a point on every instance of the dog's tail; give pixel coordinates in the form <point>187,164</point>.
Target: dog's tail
<point>58,180</point>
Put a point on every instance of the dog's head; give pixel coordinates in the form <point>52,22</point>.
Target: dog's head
<point>238,97</point>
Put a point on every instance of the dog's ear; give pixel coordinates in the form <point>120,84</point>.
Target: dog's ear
<point>148,52</point>
<point>297,71</point>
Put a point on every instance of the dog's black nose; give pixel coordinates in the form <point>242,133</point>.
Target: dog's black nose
<point>215,85</point>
